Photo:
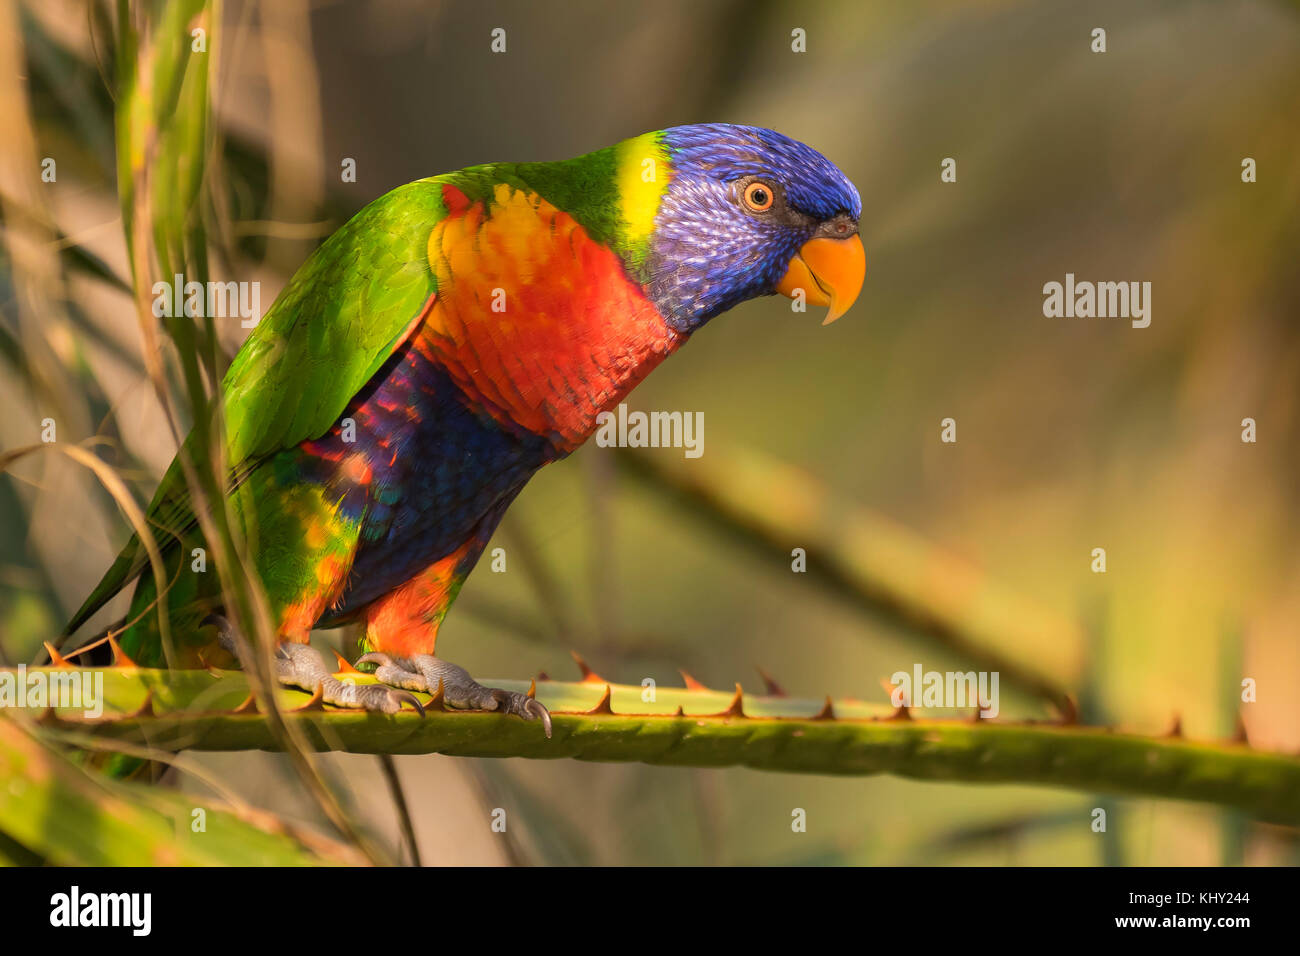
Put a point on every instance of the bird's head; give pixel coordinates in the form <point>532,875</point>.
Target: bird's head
<point>728,213</point>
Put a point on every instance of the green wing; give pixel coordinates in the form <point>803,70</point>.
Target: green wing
<point>341,316</point>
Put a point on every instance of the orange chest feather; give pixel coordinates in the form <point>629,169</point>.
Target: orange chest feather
<point>535,321</point>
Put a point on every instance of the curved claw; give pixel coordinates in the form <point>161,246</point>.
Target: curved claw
<point>406,697</point>
<point>521,705</point>
<point>528,708</point>
<point>374,657</point>
<point>533,709</point>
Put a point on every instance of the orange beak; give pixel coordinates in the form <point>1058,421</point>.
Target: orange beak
<point>830,273</point>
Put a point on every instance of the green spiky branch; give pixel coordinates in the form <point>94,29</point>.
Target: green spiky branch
<point>700,727</point>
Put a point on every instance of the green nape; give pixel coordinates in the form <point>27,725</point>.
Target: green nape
<point>613,193</point>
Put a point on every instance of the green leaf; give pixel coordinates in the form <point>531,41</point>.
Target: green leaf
<point>55,812</point>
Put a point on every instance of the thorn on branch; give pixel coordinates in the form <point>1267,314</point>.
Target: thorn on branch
<point>437,700</point>
<point>589,676</point>
<point>56,659</point>
<point>690,682</point>
<point>737,706</point>
<point>1241,736</point>
<point>345,666</point>
<point>605,704</point>
<point>317,701</point>
<point>120,658</point>
<point>249,706</point>
<point>772,688</point>
<point>1069,709</point>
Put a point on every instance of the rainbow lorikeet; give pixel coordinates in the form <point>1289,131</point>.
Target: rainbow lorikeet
<point>452,338</point>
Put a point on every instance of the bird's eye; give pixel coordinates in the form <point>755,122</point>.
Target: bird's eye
<point>758,196</point>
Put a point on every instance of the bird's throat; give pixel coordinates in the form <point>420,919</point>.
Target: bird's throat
<point>536,322</point>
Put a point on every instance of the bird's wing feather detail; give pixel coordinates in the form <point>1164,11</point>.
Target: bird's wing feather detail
<point>344,313</point>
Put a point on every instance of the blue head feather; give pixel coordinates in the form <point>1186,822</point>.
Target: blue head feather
<point>707,251</point>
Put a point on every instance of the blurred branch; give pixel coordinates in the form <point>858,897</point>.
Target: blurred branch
<point>55,812</point>
<point>403,810</point>
<point>597,721</point>
<point>1004,830</point>
<point>873,563</point>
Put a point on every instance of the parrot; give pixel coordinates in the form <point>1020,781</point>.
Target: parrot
<point>439,348</point>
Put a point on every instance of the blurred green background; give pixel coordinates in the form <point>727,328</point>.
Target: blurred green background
<point>1072,433</point>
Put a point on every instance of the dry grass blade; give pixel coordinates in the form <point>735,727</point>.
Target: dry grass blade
<point>114,486</point>
<point>162,110</point>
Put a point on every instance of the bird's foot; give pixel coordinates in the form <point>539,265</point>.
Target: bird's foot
<point>424,672</point>
<point>298,665</point>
